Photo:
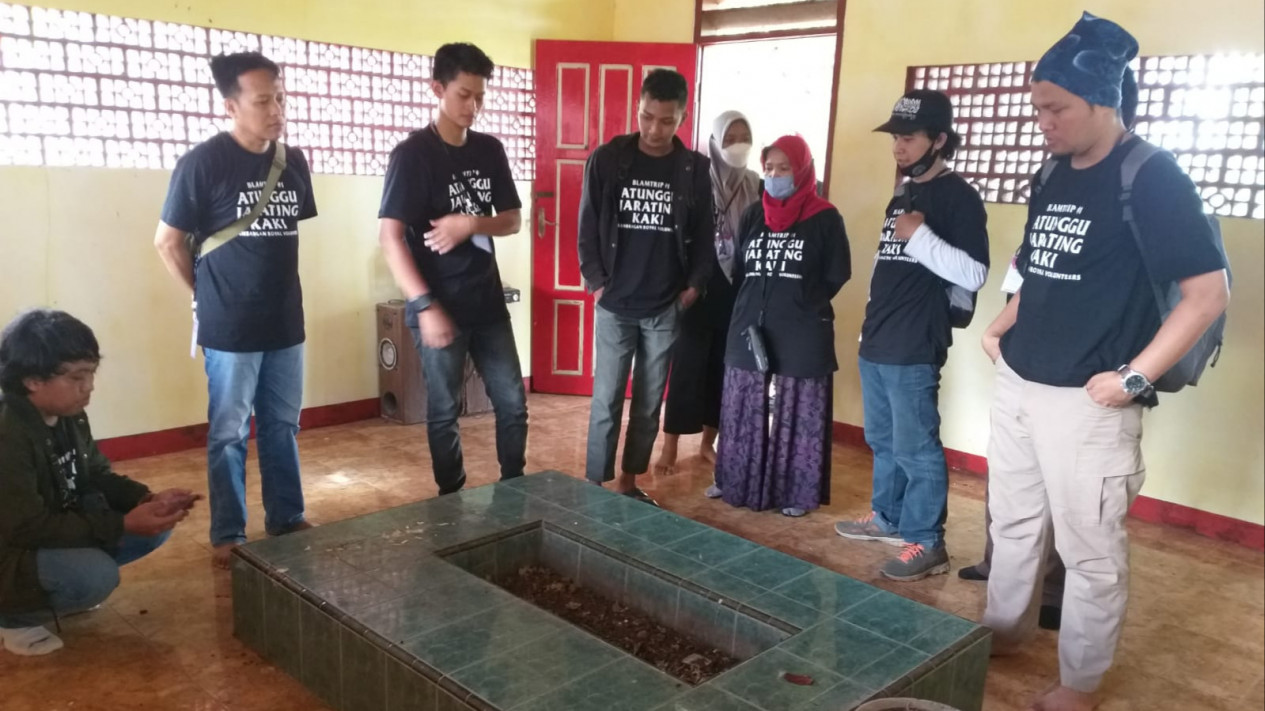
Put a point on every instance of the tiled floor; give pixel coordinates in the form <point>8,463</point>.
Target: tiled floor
<point>1195,637</point>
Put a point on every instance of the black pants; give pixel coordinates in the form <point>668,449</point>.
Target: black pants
<point>697,380</point>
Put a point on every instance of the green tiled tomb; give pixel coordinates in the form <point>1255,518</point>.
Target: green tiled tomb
<point>392,612</point>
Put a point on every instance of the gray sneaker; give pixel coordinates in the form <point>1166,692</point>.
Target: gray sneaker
<point>916,563</point>
<point>868,529</point>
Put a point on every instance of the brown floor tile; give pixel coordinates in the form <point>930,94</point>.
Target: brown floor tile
<point>1194,639</point>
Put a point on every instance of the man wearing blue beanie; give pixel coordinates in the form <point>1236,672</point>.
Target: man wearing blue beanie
<point>1077,350</point>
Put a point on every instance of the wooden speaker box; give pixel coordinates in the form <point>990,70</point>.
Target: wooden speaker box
<point>401,387</point>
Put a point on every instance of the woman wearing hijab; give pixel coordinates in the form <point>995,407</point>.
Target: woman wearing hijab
<point>792,258</point>
<point>698,358</point>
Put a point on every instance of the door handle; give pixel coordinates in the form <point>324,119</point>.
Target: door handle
<point>542,223</point>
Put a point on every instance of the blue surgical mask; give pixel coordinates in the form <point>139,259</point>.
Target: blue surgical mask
<point>780,187</point>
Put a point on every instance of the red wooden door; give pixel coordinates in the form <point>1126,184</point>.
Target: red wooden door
<point>586,94</point>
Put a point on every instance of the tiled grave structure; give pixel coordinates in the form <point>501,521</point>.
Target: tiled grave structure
<point>393,612</point>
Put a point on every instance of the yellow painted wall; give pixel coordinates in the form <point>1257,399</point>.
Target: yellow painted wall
<point>80,239</point>
<point>1203,446</point>
<point>654,20</point>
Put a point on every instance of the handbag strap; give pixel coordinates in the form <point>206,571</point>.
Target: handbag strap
<point>225,235</point>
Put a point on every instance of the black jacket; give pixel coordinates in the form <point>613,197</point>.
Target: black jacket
<point>607,168</point>
<point>31,518</point>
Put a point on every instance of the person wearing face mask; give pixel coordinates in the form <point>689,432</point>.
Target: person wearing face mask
<point>698,358</point>
<point>934,246</point>
<point>792,257</point>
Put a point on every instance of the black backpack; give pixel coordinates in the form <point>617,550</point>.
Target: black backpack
<point>1207,350</point>
<point>961,301</point>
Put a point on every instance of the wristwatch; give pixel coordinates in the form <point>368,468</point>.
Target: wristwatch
<point>1133,382</point>
<point>421,302</point>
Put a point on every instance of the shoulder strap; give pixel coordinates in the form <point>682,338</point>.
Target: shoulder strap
<point>1139,153</point>
<point>224,236</point>
<point>1043,177</point>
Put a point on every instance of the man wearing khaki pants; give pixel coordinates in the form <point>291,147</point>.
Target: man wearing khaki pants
<point>1076,350</point>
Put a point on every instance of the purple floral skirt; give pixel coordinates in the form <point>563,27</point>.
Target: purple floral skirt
<point>774,454</point>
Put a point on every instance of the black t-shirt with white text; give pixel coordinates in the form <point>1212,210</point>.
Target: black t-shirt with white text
<point>248,292</point>
<point>1086,305</point>
<point>647,276</point>
<point>790,277</point>
<point>428,179</point>
<point>66,466</point>
<point>907,315</point>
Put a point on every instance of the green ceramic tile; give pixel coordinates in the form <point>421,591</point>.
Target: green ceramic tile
<point>844,695</point>
<point>942,636</point>
<point>580,525</point>
<point>363,674</point>
<point>602,573</point>
<point>900,663</point>
<point>970,668</point>
<point>726,587</point>
<point>894,617</point>
<point>282,641</point>
<point>574,494</point>
<point>840,646</point>
<point>277,549</point>
<point>711,547</point>
<point>758,681</point>
<point>935,685</point>
<point>620,541</point>
<point>314,571</point>
<point>406,690</point>
<point>448,702</point>
<point>668,562</point>
<point>766,568</point>
<point>705,620</point>
<point>561,554</point>
<point>663,527</point>
<point>483,635</point>
<point>413,615</point>
<point>248,604</point>
<point>518,675</point>
<point>619,511</point>
<point>424,574</point>
<point>788,610</point>
<point>752,637</point>
<point>517,552</point>
<point>823,590</point>
<point>652,595</point>
<point>706,698</point>
<point>356,594</point>
<point>626,685</point>
<point>384,553</point>
<point>321,655</point>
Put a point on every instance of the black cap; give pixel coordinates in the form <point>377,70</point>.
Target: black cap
<point>920,110</point>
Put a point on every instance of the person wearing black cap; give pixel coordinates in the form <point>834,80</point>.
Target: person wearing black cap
<point>932,258</point>
<point>1076,351</point>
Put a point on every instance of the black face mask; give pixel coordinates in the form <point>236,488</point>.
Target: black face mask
<point>923,164</point>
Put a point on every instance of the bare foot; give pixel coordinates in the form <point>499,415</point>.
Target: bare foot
<point>221,554</point>
<point>666,466</point>
<point>1061,698</point>
<point>708,453</point>
<point>708,449</point>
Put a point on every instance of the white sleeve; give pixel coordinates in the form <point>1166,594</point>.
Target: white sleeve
<point>1014,279</point>
<point>946,261</point>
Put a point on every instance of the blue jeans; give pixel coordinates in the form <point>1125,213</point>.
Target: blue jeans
<point>902,427</point>
<point>492,349</point>
<point>269,384</point>
<point>78,579</point>
<point>619,339</point>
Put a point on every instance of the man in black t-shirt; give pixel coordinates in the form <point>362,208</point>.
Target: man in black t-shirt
<point>645,244</point>
<point>248,303</point>
<point>448,192</point>
<point>1076,350</point>
<point>934,247</point>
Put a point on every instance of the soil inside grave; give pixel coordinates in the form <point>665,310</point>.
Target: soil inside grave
<point>633,631</point>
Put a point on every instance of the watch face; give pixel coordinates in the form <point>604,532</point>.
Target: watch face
<point>1134,384</point>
